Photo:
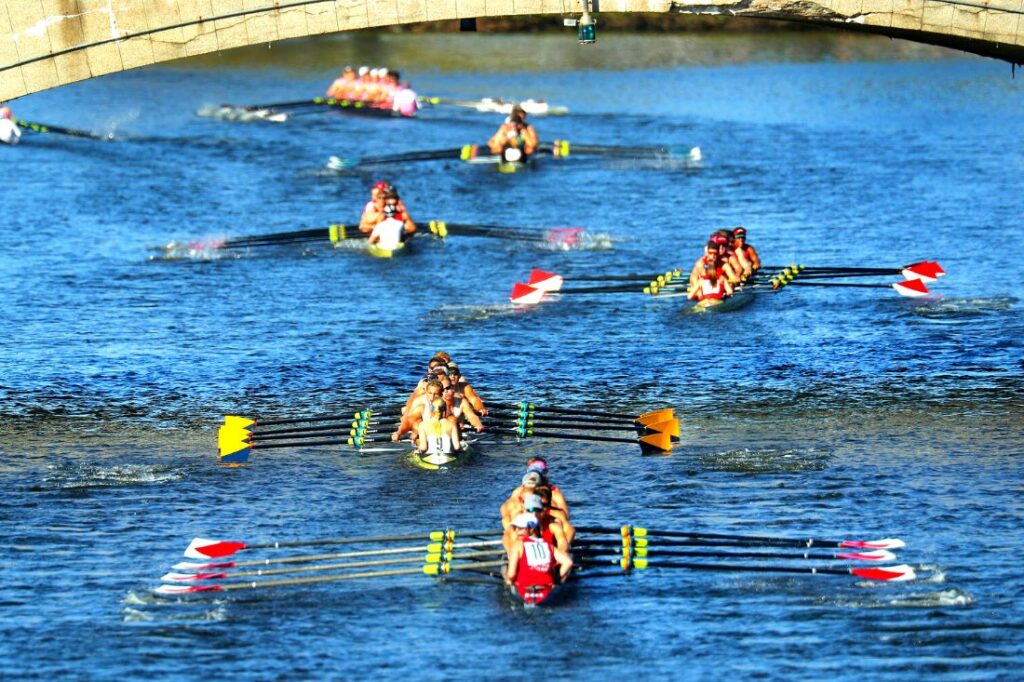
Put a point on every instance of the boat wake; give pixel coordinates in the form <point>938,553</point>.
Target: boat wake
<point>78,476</point>
<point>226,112</point>
<point>963,308</point>
<point>765,460</point>
<point>559,239</point>
<point>458,314</point>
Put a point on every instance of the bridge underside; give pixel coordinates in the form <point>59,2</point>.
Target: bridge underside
<point>48,43</point>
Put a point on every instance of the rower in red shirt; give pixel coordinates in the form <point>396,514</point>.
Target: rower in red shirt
<point>534,564</point>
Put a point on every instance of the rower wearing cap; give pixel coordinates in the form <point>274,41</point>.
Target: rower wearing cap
<point>392,225</point>
<point>533,562</point>
<point>538,466</point>
<point>548,514</point>
<point>437,434</point>
<point>745,254</point>
<point>551,528</point>
<point>10,133</point>
<point>514,133</point>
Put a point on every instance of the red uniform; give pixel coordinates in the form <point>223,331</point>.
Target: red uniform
<point>535,576</point>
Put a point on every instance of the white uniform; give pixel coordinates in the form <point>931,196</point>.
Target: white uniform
<point>388,233</point>
<point>9,131</point>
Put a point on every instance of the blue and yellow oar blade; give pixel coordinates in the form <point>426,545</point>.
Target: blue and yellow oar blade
<point>233,444</point>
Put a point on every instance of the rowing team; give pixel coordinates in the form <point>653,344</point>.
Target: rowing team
<point>537,534</point>
<point>727,262</point>
<point>440,406</point>
<point>10,133</point>
<point>515,139</point>
<point>385,218</point>
<point>379,87</point>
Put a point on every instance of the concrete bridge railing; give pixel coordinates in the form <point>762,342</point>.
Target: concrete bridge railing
<point>48,43</point>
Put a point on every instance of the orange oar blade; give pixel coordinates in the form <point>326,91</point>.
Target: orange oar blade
<point>656,416</point>
<point>671,427</point>
<point>660,443</point>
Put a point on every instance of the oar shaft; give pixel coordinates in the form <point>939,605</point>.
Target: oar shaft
<point>572,436</point>
<point>760,539</point>
<point>382,538</point>
<point>351,576</point>
<point>564,410</point>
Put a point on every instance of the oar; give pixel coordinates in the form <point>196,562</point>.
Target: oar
<point>203,548</point>
<point>430,569</point>
<point>430,558</point>
<point>899,573</point>
<point>911,288</point>
<point>655,442</point>
<point>465,152</point>
<point>927,270</point>
<point>44,128</point>
<point>498,106</point>
<point>638,533</point>
<point>563,148</point>
<point>651,552</point>
<point>431,548</point>
<point>656,415</point>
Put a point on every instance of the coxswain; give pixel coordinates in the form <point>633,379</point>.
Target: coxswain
<point>438,434</point>
<point>10,133</point>
<point>404,99</point>
<point>534,564</point>
<point>713,287</point>
<point>514,133</point>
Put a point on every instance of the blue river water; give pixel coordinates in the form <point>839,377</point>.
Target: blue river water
<point>813,411</point>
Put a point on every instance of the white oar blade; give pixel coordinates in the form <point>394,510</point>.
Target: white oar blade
<point>912,288</point>
<point>885,543</point>
<point>875,555</point>
<point>203,548</point>
<point>901,573</point>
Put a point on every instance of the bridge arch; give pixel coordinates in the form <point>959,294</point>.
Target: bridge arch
<point>48,43</point>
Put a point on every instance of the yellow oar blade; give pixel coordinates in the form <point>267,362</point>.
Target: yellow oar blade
<point>233,444</point>
<point>656,416</point>
<point>237,422</point>
<point>656,443</point>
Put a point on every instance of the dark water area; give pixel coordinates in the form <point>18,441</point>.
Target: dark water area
<point>811,412</point>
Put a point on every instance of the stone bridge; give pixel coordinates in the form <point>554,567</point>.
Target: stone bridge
<point>47,43</point>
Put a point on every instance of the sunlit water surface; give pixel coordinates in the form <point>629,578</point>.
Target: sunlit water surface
<point>814,411</point>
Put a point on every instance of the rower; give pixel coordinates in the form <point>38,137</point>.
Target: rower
<point>533,561</point>
<point>344,85</point>
<point>514,134</point>
<point>745,251</point>
<point>536,476</point>
<point>709,256</point>
<point>467,403</point>
<point>394,226</point>
<point>713,287</point>
<point>548,514</point>
<point>551,528</point>
<point>438,434</point>
<point>387,206</point>
<point>10,133</point>
<point>421,409</point>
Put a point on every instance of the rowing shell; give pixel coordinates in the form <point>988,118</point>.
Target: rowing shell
<point>380,252</point>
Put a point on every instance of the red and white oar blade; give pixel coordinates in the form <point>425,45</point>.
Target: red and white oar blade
<point>524,294</point>
<point>188,577</point>
<point>925,271</point>
<point>875,555</point>
<point>196,568</point>
<point>900,573</point>
<point>912,288</point>
<point>545,281</point>
<point>201,548</point>
<point>185,589</point>
<point>564,236</point>
<point>885,543</point>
